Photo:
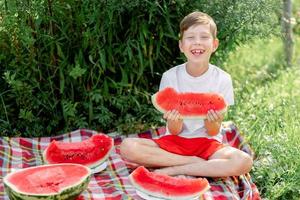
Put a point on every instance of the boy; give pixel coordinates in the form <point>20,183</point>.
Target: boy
<point>192,147</point>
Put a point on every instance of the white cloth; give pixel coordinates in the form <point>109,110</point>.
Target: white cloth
<point>213,80</point>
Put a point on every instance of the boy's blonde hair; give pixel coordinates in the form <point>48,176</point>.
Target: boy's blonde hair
<point>196,18</point>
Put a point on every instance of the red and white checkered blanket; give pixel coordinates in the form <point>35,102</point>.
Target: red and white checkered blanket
<point>113,183</point>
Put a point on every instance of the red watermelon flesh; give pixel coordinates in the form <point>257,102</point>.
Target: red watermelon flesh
<point>189,104</point>
<point>91,152</point>
<point>47,179</point>
<point>163,186</point>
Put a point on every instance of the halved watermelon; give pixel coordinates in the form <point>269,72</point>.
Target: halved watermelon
<point>57,181</point>
<point>189,105</point>
<point>92,152</point>
<point>153,185</point>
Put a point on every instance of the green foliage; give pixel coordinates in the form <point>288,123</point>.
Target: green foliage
<point>296,15</point>
<point>71,64</point>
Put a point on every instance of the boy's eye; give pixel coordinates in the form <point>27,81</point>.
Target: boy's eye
<point>190,37</point>
<point>205,37</point>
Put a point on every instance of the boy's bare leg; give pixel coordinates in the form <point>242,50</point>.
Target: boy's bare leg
<point>227,161</point>
<point>146,152</point>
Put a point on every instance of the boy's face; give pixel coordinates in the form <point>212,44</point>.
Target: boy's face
<point>198,44</point>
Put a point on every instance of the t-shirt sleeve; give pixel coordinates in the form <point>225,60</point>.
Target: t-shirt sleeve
<point>227,91</point>
<point>164,82</point>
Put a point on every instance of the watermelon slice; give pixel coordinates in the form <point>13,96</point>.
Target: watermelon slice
<point>152,185</point>
<point>189,105</point>
<point>57,181</point>
<point>92,152</point>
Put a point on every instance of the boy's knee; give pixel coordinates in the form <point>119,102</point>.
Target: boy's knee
<point>243,163</point>
<point>125,146</point>
<point>129,149</point>
<point>248,163</point>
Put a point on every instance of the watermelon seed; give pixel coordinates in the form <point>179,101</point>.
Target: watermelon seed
<point>71,156</point>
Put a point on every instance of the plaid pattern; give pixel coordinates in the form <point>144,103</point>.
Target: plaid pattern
<point>113,183</point>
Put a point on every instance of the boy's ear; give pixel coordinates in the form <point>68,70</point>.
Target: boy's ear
<point>215,44</point>
<point>180,46</point>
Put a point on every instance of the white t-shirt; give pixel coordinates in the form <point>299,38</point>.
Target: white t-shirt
<point>213,80</point>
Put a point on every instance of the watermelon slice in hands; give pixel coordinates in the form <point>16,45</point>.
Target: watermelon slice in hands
<point>189,105</point>
<point>150,185</point>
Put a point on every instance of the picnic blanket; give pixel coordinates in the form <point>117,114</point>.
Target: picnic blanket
<point>113,183</point>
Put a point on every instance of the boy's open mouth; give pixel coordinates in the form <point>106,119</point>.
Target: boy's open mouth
<point>197,52</point>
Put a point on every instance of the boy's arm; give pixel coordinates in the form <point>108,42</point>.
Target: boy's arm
<point>213,122</point>
<point>174,122</point>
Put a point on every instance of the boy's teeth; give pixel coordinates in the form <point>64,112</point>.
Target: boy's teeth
<point>198,51</point>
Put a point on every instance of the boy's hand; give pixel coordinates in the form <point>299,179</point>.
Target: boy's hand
<point>172,115</point>
<point>213,116</point>
<point>213,122</point>
<point>174,121</point>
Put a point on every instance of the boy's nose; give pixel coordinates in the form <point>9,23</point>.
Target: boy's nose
<point>198,41</point>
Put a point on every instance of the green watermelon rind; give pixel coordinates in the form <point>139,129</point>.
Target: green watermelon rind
<point>69,192</point>
<point>66,194</point>
<point>170,197</point>
<point>160,109</point>
<point>92,166</point>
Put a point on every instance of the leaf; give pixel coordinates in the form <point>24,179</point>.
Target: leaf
<point>69,108</point>
<point>59,51</point>
<point>77,72</point>
<point>26,115</point>
<point>124,80</point>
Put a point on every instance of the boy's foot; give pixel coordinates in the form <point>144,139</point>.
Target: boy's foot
<point>170,171</point>
<point>131,165</point>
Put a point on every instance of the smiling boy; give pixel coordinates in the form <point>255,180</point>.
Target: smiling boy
<point>192,146</point>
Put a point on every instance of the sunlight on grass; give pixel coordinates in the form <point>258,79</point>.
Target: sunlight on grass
<point>267,112</point>
<point>255,61</point>
<point>274,137</point>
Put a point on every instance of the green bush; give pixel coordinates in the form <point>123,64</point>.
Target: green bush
<point>71,64</point>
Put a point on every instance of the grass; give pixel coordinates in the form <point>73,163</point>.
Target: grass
<point>267,112</point>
